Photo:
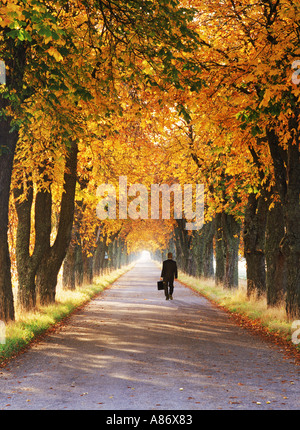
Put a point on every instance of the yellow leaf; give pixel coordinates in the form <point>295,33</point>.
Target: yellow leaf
<point>54,53</point>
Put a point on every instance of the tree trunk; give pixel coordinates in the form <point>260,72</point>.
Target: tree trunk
<point>256,273</point>
<point>287,174</point>
<point>88,273</point>
<point>26,271</point>
<point>183,247</point>
<point>208,250</point>
<point>54,256</point>
<point>291,241</point>
<point>254,242</point>
<point>231,232</point>
<point>8,141</point>
<point>198,253</point>
<point>219,250</point>
<point>27,264</point>
<point>276,276</point>
<point>69,279</point>
<point>99,256</point>
<point>14,54</point>
<point>78,265</point>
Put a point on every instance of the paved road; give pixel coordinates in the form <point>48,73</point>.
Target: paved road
<point>130,349</point>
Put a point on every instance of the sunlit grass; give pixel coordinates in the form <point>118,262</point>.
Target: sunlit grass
<point>28,325</point>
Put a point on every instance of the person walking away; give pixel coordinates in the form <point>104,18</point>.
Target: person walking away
<point>168,274</point>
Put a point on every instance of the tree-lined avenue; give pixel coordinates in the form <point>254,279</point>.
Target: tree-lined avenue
<point>131,349</point>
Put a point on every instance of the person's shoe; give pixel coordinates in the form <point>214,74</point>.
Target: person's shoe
<point>171,298</point>
<point>167,297</point>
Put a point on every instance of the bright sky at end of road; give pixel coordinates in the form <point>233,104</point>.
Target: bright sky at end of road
<point>145,256</point>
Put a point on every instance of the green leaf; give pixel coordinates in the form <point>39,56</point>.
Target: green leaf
<point>256,130</point>
<point>182,111</point>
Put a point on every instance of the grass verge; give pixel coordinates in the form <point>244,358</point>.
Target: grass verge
<point>29,325</point>
<point>251,312</point>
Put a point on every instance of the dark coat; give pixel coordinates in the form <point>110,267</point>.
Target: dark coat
<point>169,270</point>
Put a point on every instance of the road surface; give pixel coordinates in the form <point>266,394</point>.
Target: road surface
<point>130,349</point>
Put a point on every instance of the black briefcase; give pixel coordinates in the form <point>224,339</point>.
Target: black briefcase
<point>160,285</point>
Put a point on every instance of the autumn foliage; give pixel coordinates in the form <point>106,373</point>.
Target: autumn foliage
<point>161,92</point>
